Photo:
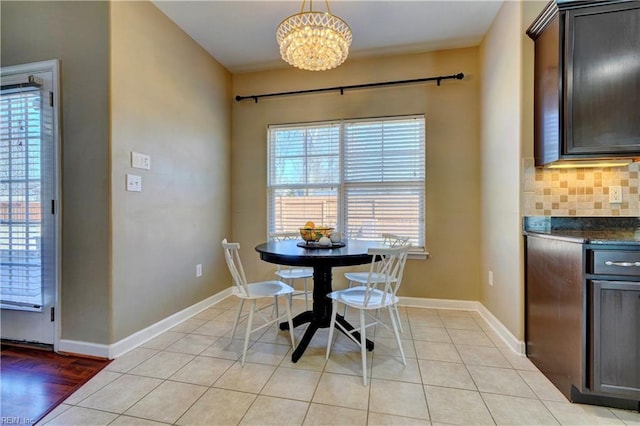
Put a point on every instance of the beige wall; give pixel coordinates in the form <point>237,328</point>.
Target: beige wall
<point>171,100</point>
<point>452,164</point>
<point>507,58</point>
<point>131,80</point>
<point>76,33</point>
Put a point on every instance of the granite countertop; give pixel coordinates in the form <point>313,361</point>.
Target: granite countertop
<point>591,230</point>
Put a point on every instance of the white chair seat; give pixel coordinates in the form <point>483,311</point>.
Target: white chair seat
<point>262,289</point>
<point>289,275</point>
<point>295,273</point>
<point>355,296</point>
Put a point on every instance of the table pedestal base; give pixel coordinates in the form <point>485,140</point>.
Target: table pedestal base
<point>320,316</point>
<point>314,325</point>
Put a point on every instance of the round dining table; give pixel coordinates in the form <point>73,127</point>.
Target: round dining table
<point>322,259</point>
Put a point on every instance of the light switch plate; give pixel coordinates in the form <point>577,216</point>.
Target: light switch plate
<point>140,160</point>
<point>134,183</point>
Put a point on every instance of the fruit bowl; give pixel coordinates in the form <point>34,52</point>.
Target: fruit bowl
<point>314,234</point>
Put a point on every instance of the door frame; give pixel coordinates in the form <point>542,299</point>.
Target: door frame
<point>52,66</point>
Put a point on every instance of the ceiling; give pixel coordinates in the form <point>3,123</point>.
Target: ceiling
<point>241,34</point>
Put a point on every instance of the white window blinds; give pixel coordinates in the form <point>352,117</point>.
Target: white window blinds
<point>304,175</point>
<point>384,162</point>
<point>363,177</point>
<point>20,201</point>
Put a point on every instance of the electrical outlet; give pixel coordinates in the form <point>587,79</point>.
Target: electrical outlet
<point>615,194</point>
<point>490,277</point>
<point>198,270</point>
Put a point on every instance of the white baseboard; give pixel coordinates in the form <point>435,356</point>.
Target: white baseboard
<point>517,346</point>
<point>136,339</point>
<point>420,302</point>
<point>131,342</point>
<point>83,348</point>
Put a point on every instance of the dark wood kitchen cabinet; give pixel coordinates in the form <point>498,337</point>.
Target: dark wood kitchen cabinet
<point>582,318</point>
<point>616,338</point>
<point>613,285</point>
<point>554,314</point>
<point>586,80</point>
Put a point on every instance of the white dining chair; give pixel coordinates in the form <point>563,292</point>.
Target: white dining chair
<point>372,296</point>
<point>289,274</point>
<point>360,278</point>
<point>253,292</point>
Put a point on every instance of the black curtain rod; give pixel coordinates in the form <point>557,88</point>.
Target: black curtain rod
<point>458,76</point>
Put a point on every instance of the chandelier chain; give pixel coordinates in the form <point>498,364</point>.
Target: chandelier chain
<point>326,2</point>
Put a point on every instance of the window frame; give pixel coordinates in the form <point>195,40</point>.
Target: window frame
<point>341,185</point>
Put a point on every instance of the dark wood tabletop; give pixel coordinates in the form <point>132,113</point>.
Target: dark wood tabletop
<point>289,253</point>
<point>322,260</point>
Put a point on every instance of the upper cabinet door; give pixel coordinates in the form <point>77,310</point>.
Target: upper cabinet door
<point>602,79</point>
<point>547,94</point>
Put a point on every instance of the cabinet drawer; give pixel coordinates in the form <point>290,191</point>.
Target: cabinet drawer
<point>616,262</point>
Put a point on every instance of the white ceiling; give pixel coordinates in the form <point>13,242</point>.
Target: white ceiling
<point>241,34</point>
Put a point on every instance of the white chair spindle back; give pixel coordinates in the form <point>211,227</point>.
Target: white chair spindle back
<point>394,240</point>
<point>387,263</point>
<point>232,256</point>
<point>377,292</point>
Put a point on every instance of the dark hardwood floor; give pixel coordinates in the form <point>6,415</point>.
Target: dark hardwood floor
<point>34,381</point>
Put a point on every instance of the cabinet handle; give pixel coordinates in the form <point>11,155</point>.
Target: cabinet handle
<point>619,263</point>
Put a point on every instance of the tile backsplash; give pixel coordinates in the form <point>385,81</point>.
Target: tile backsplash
<point>579,192</point>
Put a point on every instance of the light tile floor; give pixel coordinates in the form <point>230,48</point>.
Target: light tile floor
<point>458,372</point>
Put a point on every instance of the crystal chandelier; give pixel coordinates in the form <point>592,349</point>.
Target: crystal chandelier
<point>314,41</point>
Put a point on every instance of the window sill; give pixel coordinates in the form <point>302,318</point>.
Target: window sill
<point>418,255</point>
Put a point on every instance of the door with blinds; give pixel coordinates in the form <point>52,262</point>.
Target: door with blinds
<point>29,222</point>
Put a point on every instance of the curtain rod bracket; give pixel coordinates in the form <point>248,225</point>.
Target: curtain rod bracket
<point>438,80</point>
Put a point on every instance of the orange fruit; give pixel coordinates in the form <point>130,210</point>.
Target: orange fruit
<point>309,225</point>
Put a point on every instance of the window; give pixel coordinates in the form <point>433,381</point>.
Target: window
<point>363,177</point>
